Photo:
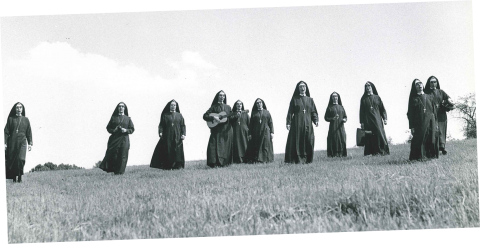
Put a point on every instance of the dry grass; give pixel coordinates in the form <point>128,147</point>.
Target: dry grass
<point>330,195</point>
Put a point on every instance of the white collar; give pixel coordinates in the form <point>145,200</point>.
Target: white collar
<point>121,113</point>
<point>304,94</point>
<point>421,93</point>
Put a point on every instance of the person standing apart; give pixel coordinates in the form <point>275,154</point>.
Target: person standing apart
<point>260,146</point>
<point>336,139</point>
<point>168,153</point>
<point>302,113</point>
<point>422,122</point>
<point>18,137</point>
<point>372,118</point>
<point>119,126</point>
<point>219,150</point>
<point>444,104</point>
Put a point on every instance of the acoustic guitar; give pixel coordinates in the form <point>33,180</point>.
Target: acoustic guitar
<point>222,116</point>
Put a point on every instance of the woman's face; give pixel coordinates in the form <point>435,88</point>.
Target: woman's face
<point>259,104</point>
<point>368,88</point>
<point>19,108</point>
<point>335,98</point>
<point>221,97</point>
<point>239,106</point>
<point>433,83</point>
<point>419,86</point>
<point>173,106</point>
<point>121,108</point>
<point>302,87</point>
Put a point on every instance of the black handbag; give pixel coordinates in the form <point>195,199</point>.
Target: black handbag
<point>361,134</point>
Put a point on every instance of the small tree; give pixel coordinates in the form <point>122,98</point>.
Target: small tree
<point>97,164</point>
<point>390,140</point>
<point>409,140</point>
<point>466,110</point>
<point>51,166</point>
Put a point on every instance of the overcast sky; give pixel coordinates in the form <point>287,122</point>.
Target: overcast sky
<point>70,71</point>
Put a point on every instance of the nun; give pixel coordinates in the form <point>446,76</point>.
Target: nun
<point>336,116</point>
<point>302,114</point>
<point>260,147</point>
<point>219,150</point>
<point>240,120</point>
<point>444,104</point>
<point>119,126</point>
<point>18,138</point>
<point>422,122</point>
<point>168,153</point>
<point>372,118</point>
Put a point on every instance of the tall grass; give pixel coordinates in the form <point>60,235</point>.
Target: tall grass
<point>356,193</point>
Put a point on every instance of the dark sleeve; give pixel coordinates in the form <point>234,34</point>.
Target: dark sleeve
<point>110,126</point>
<point>445,96</point>
<point>314,112</point>
<point>383,112</point>
<point>411,114</point>
<point>434,105</point>
<point>250,126</point>
<point>234,116</point>
<point>290,112</point>
<point>327,116</point>
<point>183,128</point>
<point>130,129</point>
<point>28,133</point>
<point>344,113</point>
<point>270,122</point>
<point>161,125</point>
<point>6,131</point>
<point>248,119</point>
<point>362,115</point>
<point>228,110</point>
<point>206,115</point>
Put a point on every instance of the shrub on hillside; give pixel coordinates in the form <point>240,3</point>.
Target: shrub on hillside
<point>51,166</point>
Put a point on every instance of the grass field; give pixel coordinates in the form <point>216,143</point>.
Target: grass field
<point>330,195</point>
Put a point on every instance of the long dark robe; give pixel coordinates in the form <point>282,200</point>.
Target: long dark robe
<point>372,112</point>
<point>240,125</point>
<point>301,138</point>
<point>16,152</point>
<point>219,150</point>
<point>116,157</point>
<point>424,143</point>
<point>169,153</point>
<point>336,139</point>
<point>260,147</point>
<point>439,97</point>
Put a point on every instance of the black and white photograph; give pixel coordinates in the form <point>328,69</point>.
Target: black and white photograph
<point>136,120</point>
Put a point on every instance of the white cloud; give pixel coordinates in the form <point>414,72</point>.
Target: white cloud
<point>195,59</point>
